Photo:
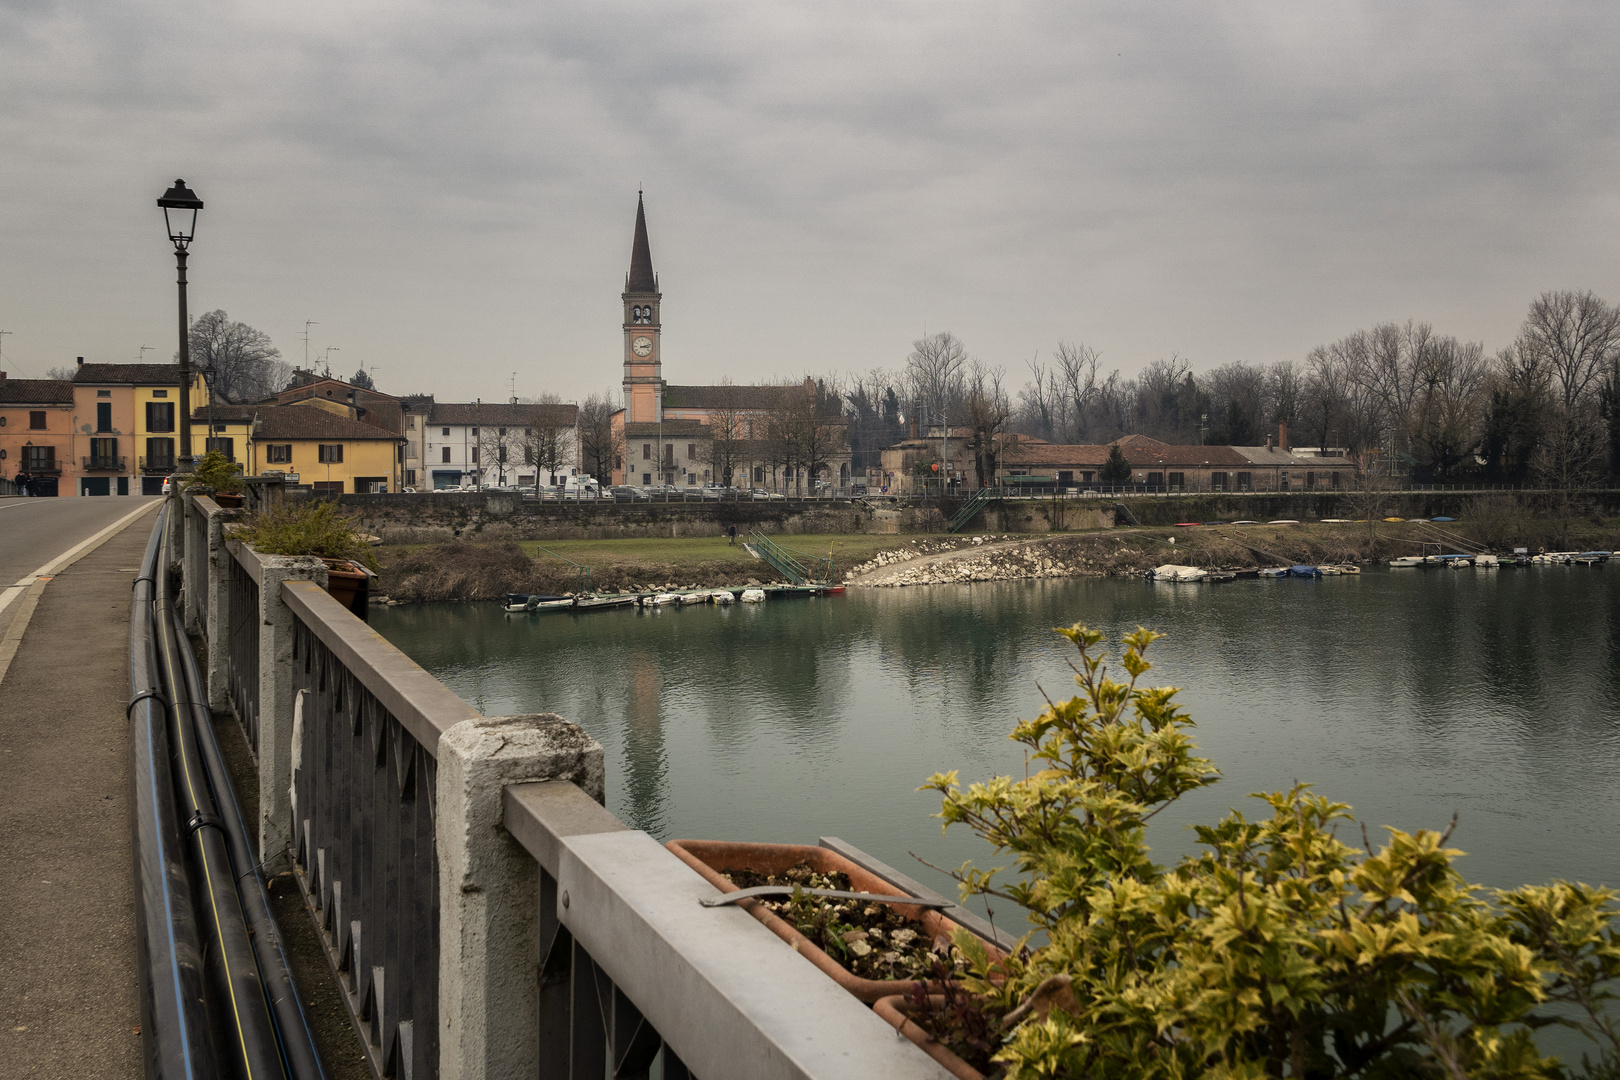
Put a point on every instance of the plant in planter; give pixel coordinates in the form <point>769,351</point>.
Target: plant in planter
<point>222,475</point>
<point>1277,951</point>
<point>316,528</point>
<point>871,949</point>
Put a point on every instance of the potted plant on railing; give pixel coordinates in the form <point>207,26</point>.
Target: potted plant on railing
<point>872,949</point>
<point>224,476</point>
<point>316,528</point>
<point>1277,951</point>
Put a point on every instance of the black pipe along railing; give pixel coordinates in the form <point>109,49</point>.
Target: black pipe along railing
<point>218,996</point>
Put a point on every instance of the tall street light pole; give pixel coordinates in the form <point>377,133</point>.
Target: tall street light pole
<point>180,205</point>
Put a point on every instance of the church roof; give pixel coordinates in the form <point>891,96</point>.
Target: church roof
<point>669,429</point>
<point>641,279</point>
<point>733,396</point>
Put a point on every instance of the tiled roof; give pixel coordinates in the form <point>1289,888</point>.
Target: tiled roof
<point>669,429</point>
<point>1139,450</point>
<point>738,397</point>
<point>491,414</point>
<point>142,374</point>
<point>36,392</point>
<point>1270,455</point>
<point>225,414</point>
<point>313,422</point>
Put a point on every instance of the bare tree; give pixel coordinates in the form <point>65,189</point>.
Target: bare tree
<point>1576,338</point>
<point>1077,374</point>
<point>498,449</point>
<point>934,370</point>
<point>601,442</point>
<point>247,367</point>
<point>1449,405</point>
<point>548,441</point>
<point>987,410</point>
<point>726,429</point>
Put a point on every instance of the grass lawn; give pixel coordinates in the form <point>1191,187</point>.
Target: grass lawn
<point>847,549</point>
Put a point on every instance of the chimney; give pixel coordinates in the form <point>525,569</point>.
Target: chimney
<point>1268,444</point>
<point>1282,435</point>
<point>81,361</point>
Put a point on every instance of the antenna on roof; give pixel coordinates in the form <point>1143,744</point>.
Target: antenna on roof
<point>307,324</point>
<point>141,359</point>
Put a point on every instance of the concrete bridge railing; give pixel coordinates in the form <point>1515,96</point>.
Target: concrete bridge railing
<point>487,917</point>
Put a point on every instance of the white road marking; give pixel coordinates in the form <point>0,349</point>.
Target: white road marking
<point>11,592</point>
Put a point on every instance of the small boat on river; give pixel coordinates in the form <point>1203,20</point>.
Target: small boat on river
<point>1305,571</point>
<point>660,599</point>
<point>1486,562</point>
<point>723,596</point>
<point>605,600</point>
<point>695,598</point>
<point>1406,561</point>
<point>1274,571</point>
<point>1177,572</point>
<point>520,603</point>
<point>753,596</point>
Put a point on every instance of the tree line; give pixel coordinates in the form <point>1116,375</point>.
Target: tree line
<point>1401,397</point>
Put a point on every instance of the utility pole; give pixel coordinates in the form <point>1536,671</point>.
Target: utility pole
<point>3,334</point>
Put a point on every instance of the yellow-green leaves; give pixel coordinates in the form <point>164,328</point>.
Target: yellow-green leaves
<point>1278,950</point>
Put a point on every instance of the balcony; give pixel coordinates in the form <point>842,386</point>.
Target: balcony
<point>158,465</point>
<point>104,464</point>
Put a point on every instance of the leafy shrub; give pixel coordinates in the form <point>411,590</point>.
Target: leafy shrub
<point>312,527</point>
<point>1278,950</point>
<point>217,472</point>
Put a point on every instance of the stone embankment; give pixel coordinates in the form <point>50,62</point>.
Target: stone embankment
<point>1126,552</point>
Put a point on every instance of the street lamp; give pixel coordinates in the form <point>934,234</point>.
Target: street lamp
<point>180,205</point>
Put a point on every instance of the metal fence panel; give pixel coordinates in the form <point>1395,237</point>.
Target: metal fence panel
<point>365,817</point>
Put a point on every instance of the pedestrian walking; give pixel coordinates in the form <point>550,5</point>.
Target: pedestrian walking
<point>731,534</point>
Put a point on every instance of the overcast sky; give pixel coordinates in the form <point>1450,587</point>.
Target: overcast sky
<point>449,189</point>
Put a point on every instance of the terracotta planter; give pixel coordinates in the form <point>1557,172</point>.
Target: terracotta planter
<point>892,1009</point>
<point>348,584</point>
<point>710,857</point>
<point>228,499</point>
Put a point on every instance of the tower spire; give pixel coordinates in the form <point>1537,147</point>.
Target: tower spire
<point>641,268</point>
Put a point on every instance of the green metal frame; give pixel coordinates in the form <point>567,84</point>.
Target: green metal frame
<point>814,570</point>
<point>584,572</point>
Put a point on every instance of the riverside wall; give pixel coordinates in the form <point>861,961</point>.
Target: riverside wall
<point>428,517</point>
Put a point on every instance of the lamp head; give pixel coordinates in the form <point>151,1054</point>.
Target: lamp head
<point>180,205</point>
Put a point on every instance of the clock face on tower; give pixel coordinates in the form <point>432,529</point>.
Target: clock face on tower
<point>641,346</point>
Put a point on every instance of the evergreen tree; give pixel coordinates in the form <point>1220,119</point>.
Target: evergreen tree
<point>1116,470</point>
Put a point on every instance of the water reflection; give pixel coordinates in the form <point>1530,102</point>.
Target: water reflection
<point>1410,695</point>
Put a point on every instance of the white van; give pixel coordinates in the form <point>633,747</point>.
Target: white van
<point>578,487</point>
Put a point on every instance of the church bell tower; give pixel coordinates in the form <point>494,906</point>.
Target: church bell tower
<point>643,368</point>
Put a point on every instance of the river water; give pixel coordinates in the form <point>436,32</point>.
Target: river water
<point>1411,695</point>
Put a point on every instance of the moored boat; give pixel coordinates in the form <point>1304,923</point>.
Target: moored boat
<point>1487,562</point>
<point>753,596</point>
<point>695,597</point>
<point>520,603</point>
<point>1274,571</point>
<point>1305,571</point>
<point>1406,561</point>
<point>723,596</point>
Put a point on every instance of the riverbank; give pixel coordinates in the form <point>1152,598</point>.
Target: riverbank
<point>473,570</point>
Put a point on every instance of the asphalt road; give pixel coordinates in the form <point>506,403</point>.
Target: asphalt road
<point>35,531</point>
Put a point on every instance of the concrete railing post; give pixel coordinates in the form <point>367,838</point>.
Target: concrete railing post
<point>218,616</point>
<point>276,696</point>
<point>193,559</point>
<point>489,888</point>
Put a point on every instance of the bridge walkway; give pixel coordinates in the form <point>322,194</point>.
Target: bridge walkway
<point>69,1003</point>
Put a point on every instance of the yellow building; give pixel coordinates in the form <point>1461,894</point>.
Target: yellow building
<point>329,451</point>
<point>126,428</point>
<point>232,429</point>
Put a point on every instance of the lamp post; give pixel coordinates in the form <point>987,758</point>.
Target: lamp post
<point>180,205</point>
